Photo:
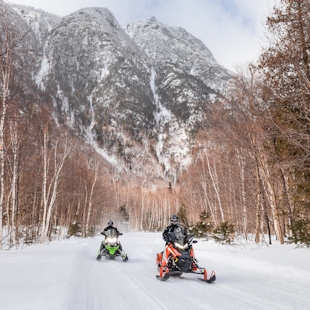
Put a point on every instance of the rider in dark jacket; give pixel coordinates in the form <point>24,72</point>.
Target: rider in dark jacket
<point>179,231</point>
<point>174,223</point>
<point>110,226</point>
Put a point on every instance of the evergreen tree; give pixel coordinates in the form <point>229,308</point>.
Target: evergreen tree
<point>224,233</point>
<point>301,232</point>
<point>203,227</point>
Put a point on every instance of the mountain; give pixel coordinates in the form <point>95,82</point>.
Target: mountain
<point>137,94</point>
<point>100,85</point>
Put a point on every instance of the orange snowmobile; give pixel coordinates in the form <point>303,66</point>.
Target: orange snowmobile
<point>178,257</point>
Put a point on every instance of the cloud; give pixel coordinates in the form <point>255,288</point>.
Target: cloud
<point>231,29</point>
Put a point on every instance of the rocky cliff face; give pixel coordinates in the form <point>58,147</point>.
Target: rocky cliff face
<point>185,77</point>
<point>137,94</point>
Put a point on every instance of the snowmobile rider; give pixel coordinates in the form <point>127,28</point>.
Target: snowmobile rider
<point>110,226</point>
<point>120,249</point>
<point>174,223</point>
<point>172,228</point>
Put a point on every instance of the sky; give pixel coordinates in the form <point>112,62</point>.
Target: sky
<point>64,275</point>
<point>233,30</point>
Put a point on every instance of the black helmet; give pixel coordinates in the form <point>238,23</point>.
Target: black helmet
<point>174,220</point>
<point>110,223</point>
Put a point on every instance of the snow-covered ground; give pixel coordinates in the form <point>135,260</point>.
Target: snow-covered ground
<point>65,276</point>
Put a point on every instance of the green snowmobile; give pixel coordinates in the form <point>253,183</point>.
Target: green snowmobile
<point>111,247</point>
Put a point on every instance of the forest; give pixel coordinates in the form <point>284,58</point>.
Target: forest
<point>250,171</point>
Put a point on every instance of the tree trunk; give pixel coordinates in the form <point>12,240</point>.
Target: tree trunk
<point>50,191</point>
<point>215,186</point>
<point>270,193</point>
<point>89,210</point>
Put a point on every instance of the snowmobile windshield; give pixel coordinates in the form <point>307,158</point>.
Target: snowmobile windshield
<point>111,233</point>
<point>190,238</point>
<point>179,235</point>
<point>111,236</point>
<point>180,239</point>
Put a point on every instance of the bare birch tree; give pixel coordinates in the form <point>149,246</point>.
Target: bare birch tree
<point>53,162</point>
<point>8,43</point>
<point>95,173</point>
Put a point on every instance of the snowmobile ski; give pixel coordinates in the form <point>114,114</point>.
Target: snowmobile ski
<point>211,279</point>
<point>164,278</point>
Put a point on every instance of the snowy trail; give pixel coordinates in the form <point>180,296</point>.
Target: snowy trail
<point>65,275</point>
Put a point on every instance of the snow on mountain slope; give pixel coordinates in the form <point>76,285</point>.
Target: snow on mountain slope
<point>65,275</point>
<point>137,94</point>
<point>174,50</point>
<point>186,78</point>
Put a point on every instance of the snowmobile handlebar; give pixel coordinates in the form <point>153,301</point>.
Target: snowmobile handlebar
<point>189,238</point>
<point>103,233</point>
